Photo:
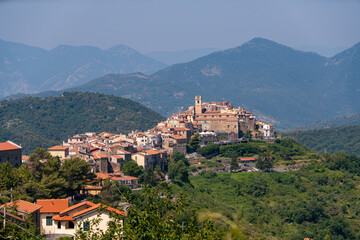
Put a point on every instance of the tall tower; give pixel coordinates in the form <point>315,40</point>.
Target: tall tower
<point>198,105</point>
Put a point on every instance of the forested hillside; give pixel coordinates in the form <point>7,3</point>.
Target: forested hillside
<point>36,122</point>
<point>337,122</point>
<point>336,139</point>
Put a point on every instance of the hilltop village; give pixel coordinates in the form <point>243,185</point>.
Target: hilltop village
<point>106,153</point>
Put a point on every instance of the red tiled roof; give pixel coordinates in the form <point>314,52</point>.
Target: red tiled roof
<point>90,204</point>
<point>102,175</point>
<point>52,205</point>
<point>247,159</point>
<point>24,206</point>
<point>99,206</point>
<point>131,178</point>
<point>63,218</point>
<point>117,156</point>
<point>99,156</point>
<point>177,137</point>
<point>58,148</point>
<point>152,152</point>
<point>8,146</point>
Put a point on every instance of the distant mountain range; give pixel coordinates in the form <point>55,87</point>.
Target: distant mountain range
<point>36,122</point>
<point>29,69</point>
<point>280,85</point>
<point>174,57</point>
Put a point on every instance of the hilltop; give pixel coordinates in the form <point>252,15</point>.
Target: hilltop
<point>36,122</point>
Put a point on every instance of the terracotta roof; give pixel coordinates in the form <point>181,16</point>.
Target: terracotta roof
<point>152,152</point>
<point>181,129</point>
<point>24,157</point>
<point>24,206</point>
<point>117,156</point>
<point>130,177</point>
<point>102,175</point>
<point>125,152</point>
<point>9,215</point>
<point>90,207</point>
<point>177,137</point>
<point>97,206</point>
<point>63,218</point>
<point>90,204</point>
<point>247,159</point>
<point>99,156</point>
<point>57,148</point>
<point>52,205</point>
<point>8,146</point>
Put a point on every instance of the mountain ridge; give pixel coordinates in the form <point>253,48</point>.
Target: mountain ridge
<point>290,87</point>
<point>30,69</point>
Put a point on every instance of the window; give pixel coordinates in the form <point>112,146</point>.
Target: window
<point>48,220</point>
<point>71,225</point>
<point>59,224</point>
<point>86,226</point>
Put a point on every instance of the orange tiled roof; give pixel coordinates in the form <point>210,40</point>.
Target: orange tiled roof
<point>102,175</point>
<point>117,156</point>
<point>52,205</point>
<point>57,148</point>
<point>130,177</point>
<point>98,206</point>
<point>177,137</point>
<point>152,151</point>
<point>99,156</point>
<point>63,218</point>
<point>247,159</point>
<point>24,206</point>
<point>8,146</point>
<point>90,204</point>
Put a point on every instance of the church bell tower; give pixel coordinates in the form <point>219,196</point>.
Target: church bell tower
<point>198,105</point>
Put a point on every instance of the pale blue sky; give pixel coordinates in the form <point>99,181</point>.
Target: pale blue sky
<point>149,25</point>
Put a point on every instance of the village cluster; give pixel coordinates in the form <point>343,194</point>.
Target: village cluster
<point>217,122</point>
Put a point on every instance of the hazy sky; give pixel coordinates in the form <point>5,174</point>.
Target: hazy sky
<point>149,25</point>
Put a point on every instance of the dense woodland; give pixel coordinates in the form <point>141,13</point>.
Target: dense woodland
<point>320,200</point>
<point>36,122</point>
<point>336,139</point>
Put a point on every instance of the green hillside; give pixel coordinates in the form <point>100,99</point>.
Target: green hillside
<point>37,122</point>
<point>336,139</point>
<point>337,122</point>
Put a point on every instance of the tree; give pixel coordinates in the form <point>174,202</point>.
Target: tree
<point>156,217</point>
<point>248,135</point>
<point>234,161</point>
<point>178,168</point>
<point>34,163</point>
<point>264,163</point>
<point>209,150</point>
<point>193,144</point>
<point>179,172</point>
<point>75,171</point>
<point>131,168</point>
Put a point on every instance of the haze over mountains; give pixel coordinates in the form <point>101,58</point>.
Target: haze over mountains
<point>30,69</point>
<point>287,87</point>
<point>174,57</point>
